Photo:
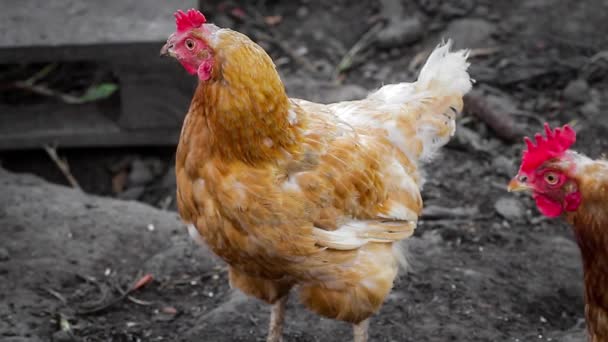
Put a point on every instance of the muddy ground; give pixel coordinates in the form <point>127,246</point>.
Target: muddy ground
<point>491,269</point>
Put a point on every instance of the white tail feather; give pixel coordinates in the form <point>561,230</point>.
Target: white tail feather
<point>446,71</point>
<point>443,75</point>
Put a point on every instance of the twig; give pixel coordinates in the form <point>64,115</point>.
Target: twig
<point>365,41</point>
<point>501,123</point>
<point>42,73</point>
<point>482,52</point>
<point>56,295</point>
<point>139,301</point>
<point>63,166</point>
<point>102,289</point>
<point>166,202</point>
<point>139,283</point>
<point>46,91</point>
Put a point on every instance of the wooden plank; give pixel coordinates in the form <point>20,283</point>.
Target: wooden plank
<point>154,95</point>
<point>94,138</point>
<point>42,31</point>
<point>55,118</point>
<point>29,127</point>
<point>102,53</point>
<point>35,23</point>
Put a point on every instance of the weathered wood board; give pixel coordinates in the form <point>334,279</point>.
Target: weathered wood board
<point>126,35</point>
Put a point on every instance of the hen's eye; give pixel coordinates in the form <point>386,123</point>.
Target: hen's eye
<point>523,179</point>
<point>189,44</point>
<point>551,178</point>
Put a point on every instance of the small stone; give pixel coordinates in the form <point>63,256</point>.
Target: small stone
<point>576,91</point>
<point>140,173</point>
<point>401,32</point>
<point>590,110</point>
<point>4,255</point>
<point>509,208</point>
<point>132,193</point>
<point>453,9</point>
<point>470,33</point>
<point>62,336</point>
<point>302,12</point>
<point>504,166</point>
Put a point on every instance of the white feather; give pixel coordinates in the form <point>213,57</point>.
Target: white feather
<point>446,71</point>
<point>195,235</point>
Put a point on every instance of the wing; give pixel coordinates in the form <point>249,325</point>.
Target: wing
<point>362,188</point>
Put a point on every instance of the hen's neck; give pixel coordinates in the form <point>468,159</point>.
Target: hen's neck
<point>590,225</point>
<point>246,111</point>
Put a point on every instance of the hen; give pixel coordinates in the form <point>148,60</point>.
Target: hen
<point>290,192</point>
<point>569,184</point>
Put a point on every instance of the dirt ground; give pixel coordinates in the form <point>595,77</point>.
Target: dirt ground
<point>486,265</point>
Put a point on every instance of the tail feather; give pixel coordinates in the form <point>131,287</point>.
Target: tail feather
<point>445,71</point>
<point>430,103</point>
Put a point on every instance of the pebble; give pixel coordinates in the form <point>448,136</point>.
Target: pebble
<point>400,32</point>
<point>62,336</point>
<point>504,166</point>
<point>453,9</point>
<point>510,208</point>
<point>4,255</point>
<point>590,110</point>
<point>132,193</point>
<point>302,12</point>
<point>576,91</point>
<point>470,33</point>
<point>140,173</point>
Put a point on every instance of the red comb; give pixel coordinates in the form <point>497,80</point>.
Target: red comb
<point>189,20</point>
<point>553,145</point>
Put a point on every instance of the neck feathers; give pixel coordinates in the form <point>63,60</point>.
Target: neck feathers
<point>590,224</point>
<point>245,107</point>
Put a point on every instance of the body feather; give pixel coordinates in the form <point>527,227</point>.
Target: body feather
<point>589,222</point>
<point>291,192</point>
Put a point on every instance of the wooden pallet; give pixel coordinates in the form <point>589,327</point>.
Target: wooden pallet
<point>124,35</point>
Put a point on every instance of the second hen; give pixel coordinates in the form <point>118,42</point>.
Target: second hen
<point>292,193</point>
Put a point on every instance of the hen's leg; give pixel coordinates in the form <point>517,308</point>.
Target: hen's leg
<point>277,316</point>
<point>272,292</point>
<point>360,331</point>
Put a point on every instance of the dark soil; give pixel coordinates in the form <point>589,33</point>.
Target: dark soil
<point>503,274</point>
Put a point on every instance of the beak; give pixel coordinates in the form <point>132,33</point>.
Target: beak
<point>515,186</point>
<point>166,50</point>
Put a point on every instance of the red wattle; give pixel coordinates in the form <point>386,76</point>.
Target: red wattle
<point>547,206</point>
<point>572,201</point>
<point>204,71</point>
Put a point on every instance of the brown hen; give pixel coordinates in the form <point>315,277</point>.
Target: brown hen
<point>294,193</point>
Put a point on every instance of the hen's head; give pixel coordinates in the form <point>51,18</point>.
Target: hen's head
<point>191,43</point>
<point>547,170</point>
